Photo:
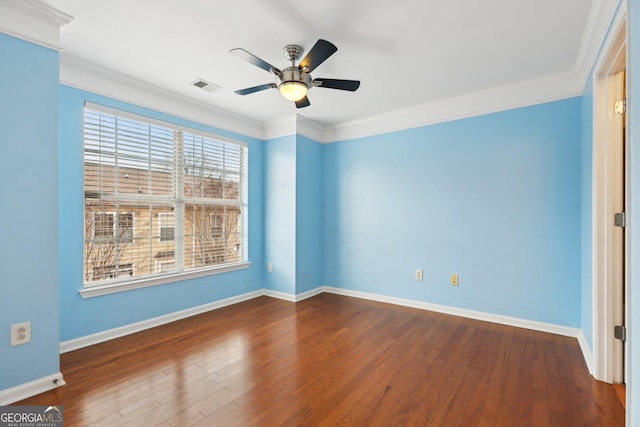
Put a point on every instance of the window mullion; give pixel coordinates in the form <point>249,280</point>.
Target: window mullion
<point>244,214</point>
<point>178,191</point>
<point>116,242</point>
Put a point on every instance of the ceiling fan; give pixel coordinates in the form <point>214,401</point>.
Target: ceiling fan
<point>293,82</point>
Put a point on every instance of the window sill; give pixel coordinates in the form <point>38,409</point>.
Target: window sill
<point>96,291</point>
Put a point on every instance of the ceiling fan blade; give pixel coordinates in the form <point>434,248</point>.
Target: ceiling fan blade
<point>249,90</point>
<point>317,55</point>
<point>252,59</point>
<point>304,102</point>
<point>350,85</point>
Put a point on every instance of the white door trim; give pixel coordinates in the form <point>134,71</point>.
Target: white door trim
<point>606,302</point>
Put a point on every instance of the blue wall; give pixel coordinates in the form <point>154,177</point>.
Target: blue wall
<point>80,317</point>
<point>309,224</point>
<point>29,218</point>
<point>495,199</point>
<point>280,213</point>
<point>293,214</point>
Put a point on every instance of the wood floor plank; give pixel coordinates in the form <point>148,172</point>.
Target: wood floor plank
<point>621,391</point>
<point>332,360</point>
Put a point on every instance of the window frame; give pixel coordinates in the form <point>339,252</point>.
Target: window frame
<point>91,289</point>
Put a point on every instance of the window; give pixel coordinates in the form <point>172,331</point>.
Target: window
<point>166,267</point>
<point>166,223</point>
<point>107,229</point>
<point>113,271</point>
<point>184,190</point>
<point>217,221</point>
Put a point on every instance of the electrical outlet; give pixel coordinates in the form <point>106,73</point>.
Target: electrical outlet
<point>454,280</point>
<point>418,274</point>
<point>20,333</point>
<point>270,268</point>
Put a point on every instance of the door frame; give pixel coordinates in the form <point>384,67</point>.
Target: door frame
<point>607,299</point>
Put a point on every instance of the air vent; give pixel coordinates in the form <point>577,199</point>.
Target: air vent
<point>205,85</point>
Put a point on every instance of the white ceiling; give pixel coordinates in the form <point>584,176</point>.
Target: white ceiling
<point>405,52</point>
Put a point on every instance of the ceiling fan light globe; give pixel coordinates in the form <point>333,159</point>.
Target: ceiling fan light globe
<point>293,91</point>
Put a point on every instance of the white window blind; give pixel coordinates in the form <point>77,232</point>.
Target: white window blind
<point>160,199</point>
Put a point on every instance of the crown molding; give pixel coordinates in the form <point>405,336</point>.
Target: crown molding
<point>77,73</point>
<point>598,23</point>
<point>93,78</point>
<point>33,21</point>
<point>531,92</point>
<point>295,125</point>
<point>311,129</point>
<point>278,128</point>
<point>38,23</point>
<point>602,15</point>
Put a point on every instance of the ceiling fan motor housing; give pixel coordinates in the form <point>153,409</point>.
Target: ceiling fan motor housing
<point>293,74</point>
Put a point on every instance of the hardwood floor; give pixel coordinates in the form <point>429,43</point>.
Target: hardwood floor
<point>332,360</point>
<point>621,391</point>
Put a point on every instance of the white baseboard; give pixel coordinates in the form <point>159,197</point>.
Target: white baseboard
<point>470,314</point>
<point>279,295</point>
<point>121,331</point>
<point>294,298</point>
<point>78,343</point>
<point>110,334</point>
<point>23,391</point>
<point>99,337</point>
<point>586,353</point>
<point>309,294</point>
<point>32,388</point>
